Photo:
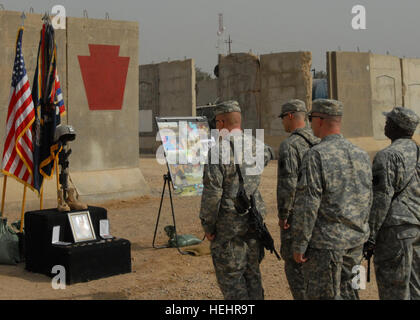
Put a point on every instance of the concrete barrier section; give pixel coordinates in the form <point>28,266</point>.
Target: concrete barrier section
<point>369,84</point>
<point>350,82</point>
<point>103,105</point>
<point>284,76</point>
<point>177,88</point>
<point>239,79</point>
<point>386,85</point>
<point>411,85</point>
<point>206,92</point>
<point>98,70</point>
<point>167,89</point>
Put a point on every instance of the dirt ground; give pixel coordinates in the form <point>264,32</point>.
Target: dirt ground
<point>158,273</point>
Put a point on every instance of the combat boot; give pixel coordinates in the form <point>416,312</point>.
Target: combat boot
<point>62,206</point>
<point>73,200</point>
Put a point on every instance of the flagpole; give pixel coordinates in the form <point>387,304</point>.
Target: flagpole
<point>41,200</point>
<point>57,178</point>
<point>23,209</point>
<point>3,195</point>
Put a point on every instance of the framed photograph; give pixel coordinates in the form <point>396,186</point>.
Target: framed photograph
<point>81,226</point>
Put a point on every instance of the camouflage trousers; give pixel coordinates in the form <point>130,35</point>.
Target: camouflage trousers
<point>237,265</point>
<point>292,269</point>
<point>328,273</point>
<point>397,263</point>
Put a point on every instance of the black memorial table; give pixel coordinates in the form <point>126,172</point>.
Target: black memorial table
<point>83,261</point>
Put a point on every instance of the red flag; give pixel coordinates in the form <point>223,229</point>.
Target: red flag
<point>17,160</point>
<point>59,101</point>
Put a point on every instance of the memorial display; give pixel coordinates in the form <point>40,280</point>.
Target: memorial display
<point>50,240</point>
<point>81,226</point>
<point>185,142</point>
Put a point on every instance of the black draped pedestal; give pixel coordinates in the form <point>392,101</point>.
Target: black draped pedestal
<point>82,261</point>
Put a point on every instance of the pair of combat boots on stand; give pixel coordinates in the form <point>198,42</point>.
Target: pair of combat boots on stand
<point>69,200</point>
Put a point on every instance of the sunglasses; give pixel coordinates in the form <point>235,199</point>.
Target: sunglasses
<point>310,117</point>
<point>285,114</point>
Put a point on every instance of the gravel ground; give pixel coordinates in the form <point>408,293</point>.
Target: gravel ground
<point>158,273</point>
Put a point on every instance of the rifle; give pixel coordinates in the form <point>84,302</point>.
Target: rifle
<point>63,157</point>
<point>244,204</point>
<point>368,251</point>
<point>256,222</point>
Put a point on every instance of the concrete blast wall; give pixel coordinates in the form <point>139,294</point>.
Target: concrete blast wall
<point>149,107</point>
<point>206,92</point>
<point>284,76</point>
<point>369,84</point>
<point>262,85</point>
<point>386,86</point>
<point>166,89</point>
<point>98,69</point>
<point>239,79</point>
<point>411,85</point>
<point>349,82</point>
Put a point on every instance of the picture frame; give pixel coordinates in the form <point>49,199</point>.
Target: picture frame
<point>81,226</point>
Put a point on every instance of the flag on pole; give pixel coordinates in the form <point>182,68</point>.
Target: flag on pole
<point>49,106</point>
<point>59,95</point>
<point>17,160</point>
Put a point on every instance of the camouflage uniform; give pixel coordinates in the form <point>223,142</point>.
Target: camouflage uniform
<point>395,216</point>
<point>290,156</point>
<point>236,254</point>
<point>333,200</point>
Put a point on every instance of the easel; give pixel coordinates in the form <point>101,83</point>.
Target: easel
<point>167,180</point>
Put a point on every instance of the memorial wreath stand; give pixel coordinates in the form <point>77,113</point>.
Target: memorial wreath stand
<point>167,180</point>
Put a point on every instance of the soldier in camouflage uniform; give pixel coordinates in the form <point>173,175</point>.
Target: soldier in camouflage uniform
<point>235,252</point>
<point>331,211</point>
<point>290,156</point>
<point>395,216</point>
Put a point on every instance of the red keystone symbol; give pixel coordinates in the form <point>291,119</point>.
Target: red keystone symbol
<point>104,74</point>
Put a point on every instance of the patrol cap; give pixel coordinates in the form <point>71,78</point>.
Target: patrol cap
<point>226,107</point>
<point>327,106</point>
<point>294,105</point>
<point>403,117</point>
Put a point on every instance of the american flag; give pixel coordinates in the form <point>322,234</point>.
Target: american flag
<point>17,159</point>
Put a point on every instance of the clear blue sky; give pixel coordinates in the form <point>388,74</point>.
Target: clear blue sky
<point>188,28</point>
